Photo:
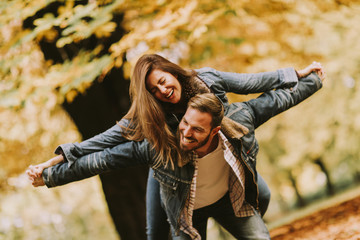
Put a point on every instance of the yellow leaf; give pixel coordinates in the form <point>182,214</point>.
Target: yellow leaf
<point>105,30</point>
<point>70,96</point>
<point>118,62</point>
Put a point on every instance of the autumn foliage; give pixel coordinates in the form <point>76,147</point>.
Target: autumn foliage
<point>53,51</point>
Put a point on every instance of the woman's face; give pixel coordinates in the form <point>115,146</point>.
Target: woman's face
<point>164,86</point>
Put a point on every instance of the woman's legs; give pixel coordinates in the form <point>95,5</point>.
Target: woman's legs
<point>264,195</point>
<point>157,226</point>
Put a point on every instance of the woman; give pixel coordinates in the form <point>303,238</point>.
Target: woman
<point>159,92</point>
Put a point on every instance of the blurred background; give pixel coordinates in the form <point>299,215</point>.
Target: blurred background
<point>65,68</point>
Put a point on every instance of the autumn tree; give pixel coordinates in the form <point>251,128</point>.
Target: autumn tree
<point>77,56</point>
<point>83,44</point>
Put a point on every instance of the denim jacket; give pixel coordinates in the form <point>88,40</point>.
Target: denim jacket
<point>219,82</point>
<point>175,183</point>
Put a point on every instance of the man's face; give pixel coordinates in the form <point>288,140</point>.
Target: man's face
<point>195,130</point>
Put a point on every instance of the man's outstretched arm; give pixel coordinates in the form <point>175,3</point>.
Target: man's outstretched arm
<point>123,155</point>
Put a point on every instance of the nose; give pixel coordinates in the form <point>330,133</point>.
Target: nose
<point>162,89</point>
<point>187,132</point>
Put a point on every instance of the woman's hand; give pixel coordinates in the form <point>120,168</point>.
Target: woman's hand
<point>314,67</point>
<point>35,175</point>
<point>35,171</point>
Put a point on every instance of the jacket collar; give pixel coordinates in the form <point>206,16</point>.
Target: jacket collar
<point>232,129</point>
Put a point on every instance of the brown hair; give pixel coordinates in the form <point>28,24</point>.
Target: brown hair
<point>146,114</point>
<point>208,103</point>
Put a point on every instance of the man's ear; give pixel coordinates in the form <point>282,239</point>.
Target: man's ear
<point>215,130</point>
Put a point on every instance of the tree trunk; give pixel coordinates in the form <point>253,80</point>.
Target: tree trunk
<point>97,110</point>
<point>329,184</point>
<point>300,200</point>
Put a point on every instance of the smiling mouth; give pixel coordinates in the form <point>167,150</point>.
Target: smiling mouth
<point>187,140</point>
<point>170,94</point>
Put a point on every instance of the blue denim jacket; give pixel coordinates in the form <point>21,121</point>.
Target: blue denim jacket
<point>219,82</point>
<point>175,183</point>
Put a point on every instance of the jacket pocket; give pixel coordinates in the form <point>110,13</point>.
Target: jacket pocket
<point>166,180</point>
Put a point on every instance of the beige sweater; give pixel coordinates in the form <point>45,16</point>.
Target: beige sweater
<point>213,178</point>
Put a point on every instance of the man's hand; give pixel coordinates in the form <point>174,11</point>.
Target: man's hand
<point>35,172</point>
<point>314,67</point>
<point>37,182</point>
<point>35,175</point>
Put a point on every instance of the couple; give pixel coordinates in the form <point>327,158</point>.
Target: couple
<point>214,158</point>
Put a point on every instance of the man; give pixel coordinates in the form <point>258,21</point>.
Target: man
<point>230,193</point>
<point>218,183</point>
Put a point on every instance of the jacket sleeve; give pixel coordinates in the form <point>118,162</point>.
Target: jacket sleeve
<point>109,138</point>
<point>126,154</point>
<point>274,102</point>
<point>245,83</point>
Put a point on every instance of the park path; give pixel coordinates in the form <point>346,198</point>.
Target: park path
<point>338,222</point>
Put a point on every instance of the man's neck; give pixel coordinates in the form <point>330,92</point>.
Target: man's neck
<point>208,148</point>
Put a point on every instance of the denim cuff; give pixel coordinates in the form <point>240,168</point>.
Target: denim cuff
<point>70,151</point>
<point>288,78</point>
<point>46,175</point>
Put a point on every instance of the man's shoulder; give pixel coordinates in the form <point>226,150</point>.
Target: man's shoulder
<point>237,110</point>
<point>242,115</point>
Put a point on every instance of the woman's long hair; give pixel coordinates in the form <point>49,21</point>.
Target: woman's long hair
<point>146,114</point>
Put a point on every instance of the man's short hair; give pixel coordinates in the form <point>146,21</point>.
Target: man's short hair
<point>208,103</point>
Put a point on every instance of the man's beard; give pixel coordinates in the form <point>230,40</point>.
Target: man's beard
<point>187,151</point>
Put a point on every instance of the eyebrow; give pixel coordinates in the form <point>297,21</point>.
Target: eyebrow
<point>194,127</point>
